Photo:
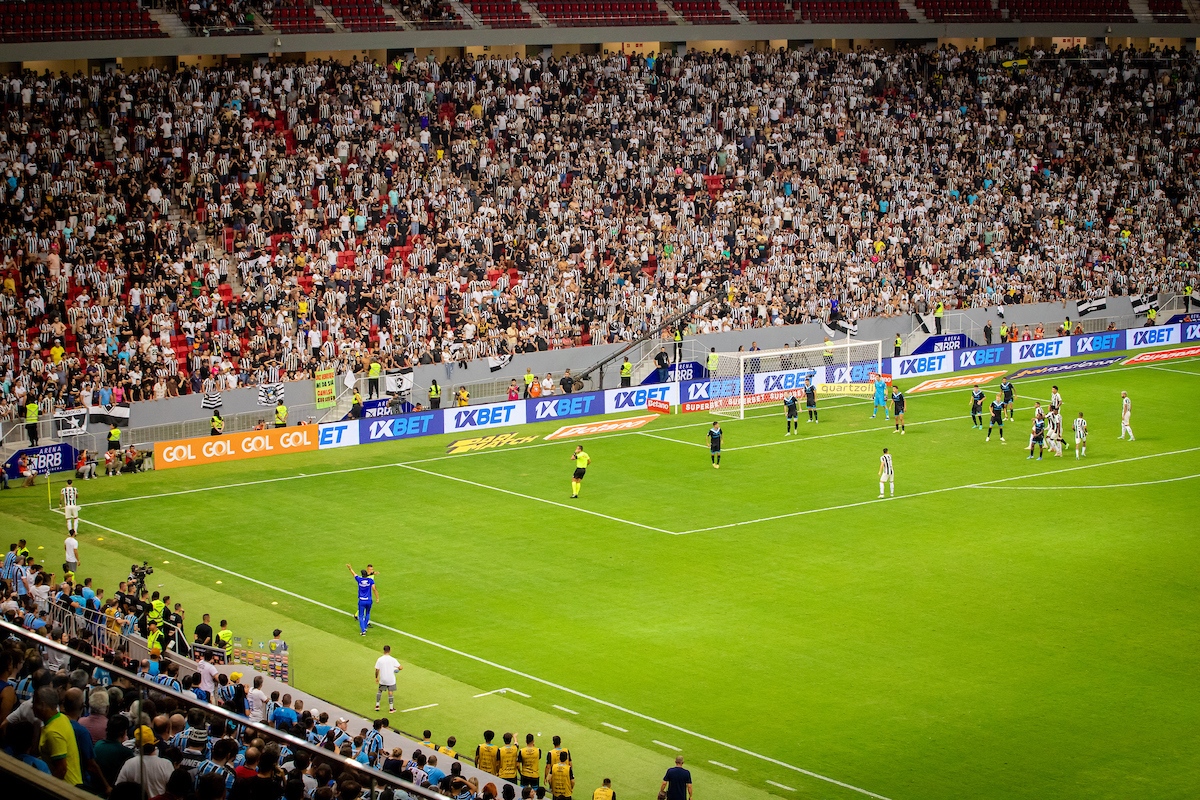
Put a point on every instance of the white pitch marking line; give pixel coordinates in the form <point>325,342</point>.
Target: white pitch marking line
<point>781,786</point>
<point>538,499</point>
<point>615,727</point>
<point>569,711</point>
<point>505,690</point>
<point>669,439</point>
<point>979,485</point>
<point>1064,376</point>
<point>1097,486</point>
<point>512,671</point>
<point>514,691</point>
<point>723,766</point>
<point>1180,371</point>
<point>664,744</point>
<point>418,708</point>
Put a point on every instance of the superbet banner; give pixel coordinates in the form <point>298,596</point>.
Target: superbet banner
<point>234,446</point>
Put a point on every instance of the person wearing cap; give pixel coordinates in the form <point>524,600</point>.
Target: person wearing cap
<point>151,770</point>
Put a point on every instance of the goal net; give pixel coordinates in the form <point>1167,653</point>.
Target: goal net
<point>745,379</point>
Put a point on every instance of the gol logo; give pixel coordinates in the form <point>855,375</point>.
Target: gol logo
<point>233,447</point>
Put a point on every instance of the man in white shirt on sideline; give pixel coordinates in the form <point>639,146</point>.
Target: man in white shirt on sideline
<point>258,700</point>
<point>386,668</point>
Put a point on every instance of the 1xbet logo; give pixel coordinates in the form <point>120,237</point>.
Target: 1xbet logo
<point>789,380</point>
<point>922,364</point>
<point>484,415</point>
<point>1040,350</point>
<point>984,356</point>
<point>638,397</point>
<point>1150,336</point>
<point>1100,343</point>
<point>563,407</point>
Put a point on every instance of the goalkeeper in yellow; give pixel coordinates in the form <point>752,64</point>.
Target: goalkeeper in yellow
<point>581,460</point>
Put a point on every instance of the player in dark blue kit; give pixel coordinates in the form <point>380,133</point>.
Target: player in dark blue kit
<point>898,408</point>
<point>810,400</point>
<point>714,444</point>
<point>792,407</point>
<point>977,408</point>
<point>997,418</point>
<point>1037,437</point>
<point>1009,393</point>
<point>367,593</point>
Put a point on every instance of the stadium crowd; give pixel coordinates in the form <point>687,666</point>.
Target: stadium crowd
<point>174,232</point>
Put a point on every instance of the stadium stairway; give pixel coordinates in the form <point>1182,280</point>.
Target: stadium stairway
<point>391,737</point>
<point>735,13</point>
<point>913,12</point>
<point>170,23</point>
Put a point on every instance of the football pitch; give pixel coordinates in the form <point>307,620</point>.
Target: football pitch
<point>1002,628</point>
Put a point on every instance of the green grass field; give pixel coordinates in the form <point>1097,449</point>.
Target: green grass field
<point>1003,628</point>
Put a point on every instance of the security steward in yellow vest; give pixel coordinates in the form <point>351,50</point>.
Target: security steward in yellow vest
<point>605,792</point>
<point>487,755</point>
<point>114,438</point>
<point>435,395</point>
<point>626,373</point>
<point>827,353</point>
<point>530,378</point>
<point>552,757</point>
<point>713,360</point>
<point>530,759</point>
<point>31,422</point>
<point>225,638</point>
<point>373,373</point>
<point>154,638</point>
<point>562,778</point>
<point>1151,316</point>
<point>216,425</point>
<point>937,316</point>
<point>280,415</point>
<point>508,755</point>
<point>157,607</point>
<point>1187,299</point>
<point>899,346</point>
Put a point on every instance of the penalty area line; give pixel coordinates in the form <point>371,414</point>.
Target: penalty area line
<point>510,670</point>
<point>1094,486</point>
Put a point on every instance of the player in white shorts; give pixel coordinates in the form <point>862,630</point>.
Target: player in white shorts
<point>1080,426</point>
<point>1126,409</point>
<point>1054,431</point>
<point>887,473</point>
<point>70,506</point>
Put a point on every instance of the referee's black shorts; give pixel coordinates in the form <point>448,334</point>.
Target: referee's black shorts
<point>579,473</point>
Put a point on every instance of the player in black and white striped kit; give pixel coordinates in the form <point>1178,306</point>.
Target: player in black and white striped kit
<point>70,506</point>
<point>887,473</point>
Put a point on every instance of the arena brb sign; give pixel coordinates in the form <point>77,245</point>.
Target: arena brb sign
<point>234,447</point>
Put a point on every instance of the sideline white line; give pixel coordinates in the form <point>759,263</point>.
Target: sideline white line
<point>1063,376</point>
<point>569,711</point>
<point>781,786</point>
<point>978,485</point>
<point>669,439</point>
<point>664,744</point>
<point>417,708</point>
<point>723,765</point>
<point>1180,371</point>
<point>615,727</point>
<point>1097,486</point>
<point>512,671</point>
<point>538,499</point>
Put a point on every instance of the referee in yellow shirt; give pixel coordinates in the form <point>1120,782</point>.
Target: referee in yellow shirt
<point>581,460</point>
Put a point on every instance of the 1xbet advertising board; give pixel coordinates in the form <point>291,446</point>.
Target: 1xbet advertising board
<point>337,434</point>
<point>616,400</point>
<point>787,380</point>
<point>990,356</point>
<point>1190,331</point>
<point>1040,350</point>
<point>491,415</point>
<point>404,426</point>
<point>1091,343</point>
<point>912,366</point>
<point>564,406</point>
<point>1137,338</point>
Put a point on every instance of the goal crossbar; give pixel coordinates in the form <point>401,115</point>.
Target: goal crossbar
<point>750,378</point>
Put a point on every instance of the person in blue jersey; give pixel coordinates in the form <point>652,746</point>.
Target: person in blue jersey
<point>367,594</point>
<point>792,408</point>
<point>880,397</point>
<point>714,444</point>
<point>977,408</point>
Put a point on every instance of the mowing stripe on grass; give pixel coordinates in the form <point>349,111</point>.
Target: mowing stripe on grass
<point>479,659</point>
<point>538,499</point>
<point>977,485</point>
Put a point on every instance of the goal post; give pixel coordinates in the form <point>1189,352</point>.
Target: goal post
<point>743,379</point>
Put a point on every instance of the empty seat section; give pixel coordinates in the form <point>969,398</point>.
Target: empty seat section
<point>960,10</point>
<point>701,12</point>
<point>361,15</point>
<point>75,20</point>
<point>589,13</point>
<point>1069,10</point>
<point>501,13</point>
<point>851,11</point>
<point>296,16</point>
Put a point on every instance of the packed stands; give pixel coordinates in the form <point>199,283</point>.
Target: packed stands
<point>233,240</point>
<point>75,20</point>
<point>702,12</point>
<point>590,13</point>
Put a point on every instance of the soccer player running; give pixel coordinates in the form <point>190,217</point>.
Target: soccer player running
<point>810,400</point>
<point>977,408</point>
<point>887,472</point>
<point>581,460</point>
<point>367,593</point>
<point>70,506</point>
<point>1126,409</point>
<point>880,397</point>
<point>997,418</point>
<point>898,408</point>
<point>1009,395</point>
<point>1037,435</point>
<point>714,444</point>
<point>1080,426</point>
<point>792,408</point>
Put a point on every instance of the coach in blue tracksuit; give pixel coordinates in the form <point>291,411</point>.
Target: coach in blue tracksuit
<point>367,593</point>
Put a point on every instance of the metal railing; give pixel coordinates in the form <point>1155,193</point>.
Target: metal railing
<point>370,779</point>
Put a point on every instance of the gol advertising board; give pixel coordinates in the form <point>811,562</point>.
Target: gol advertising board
<point>234,446</point>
